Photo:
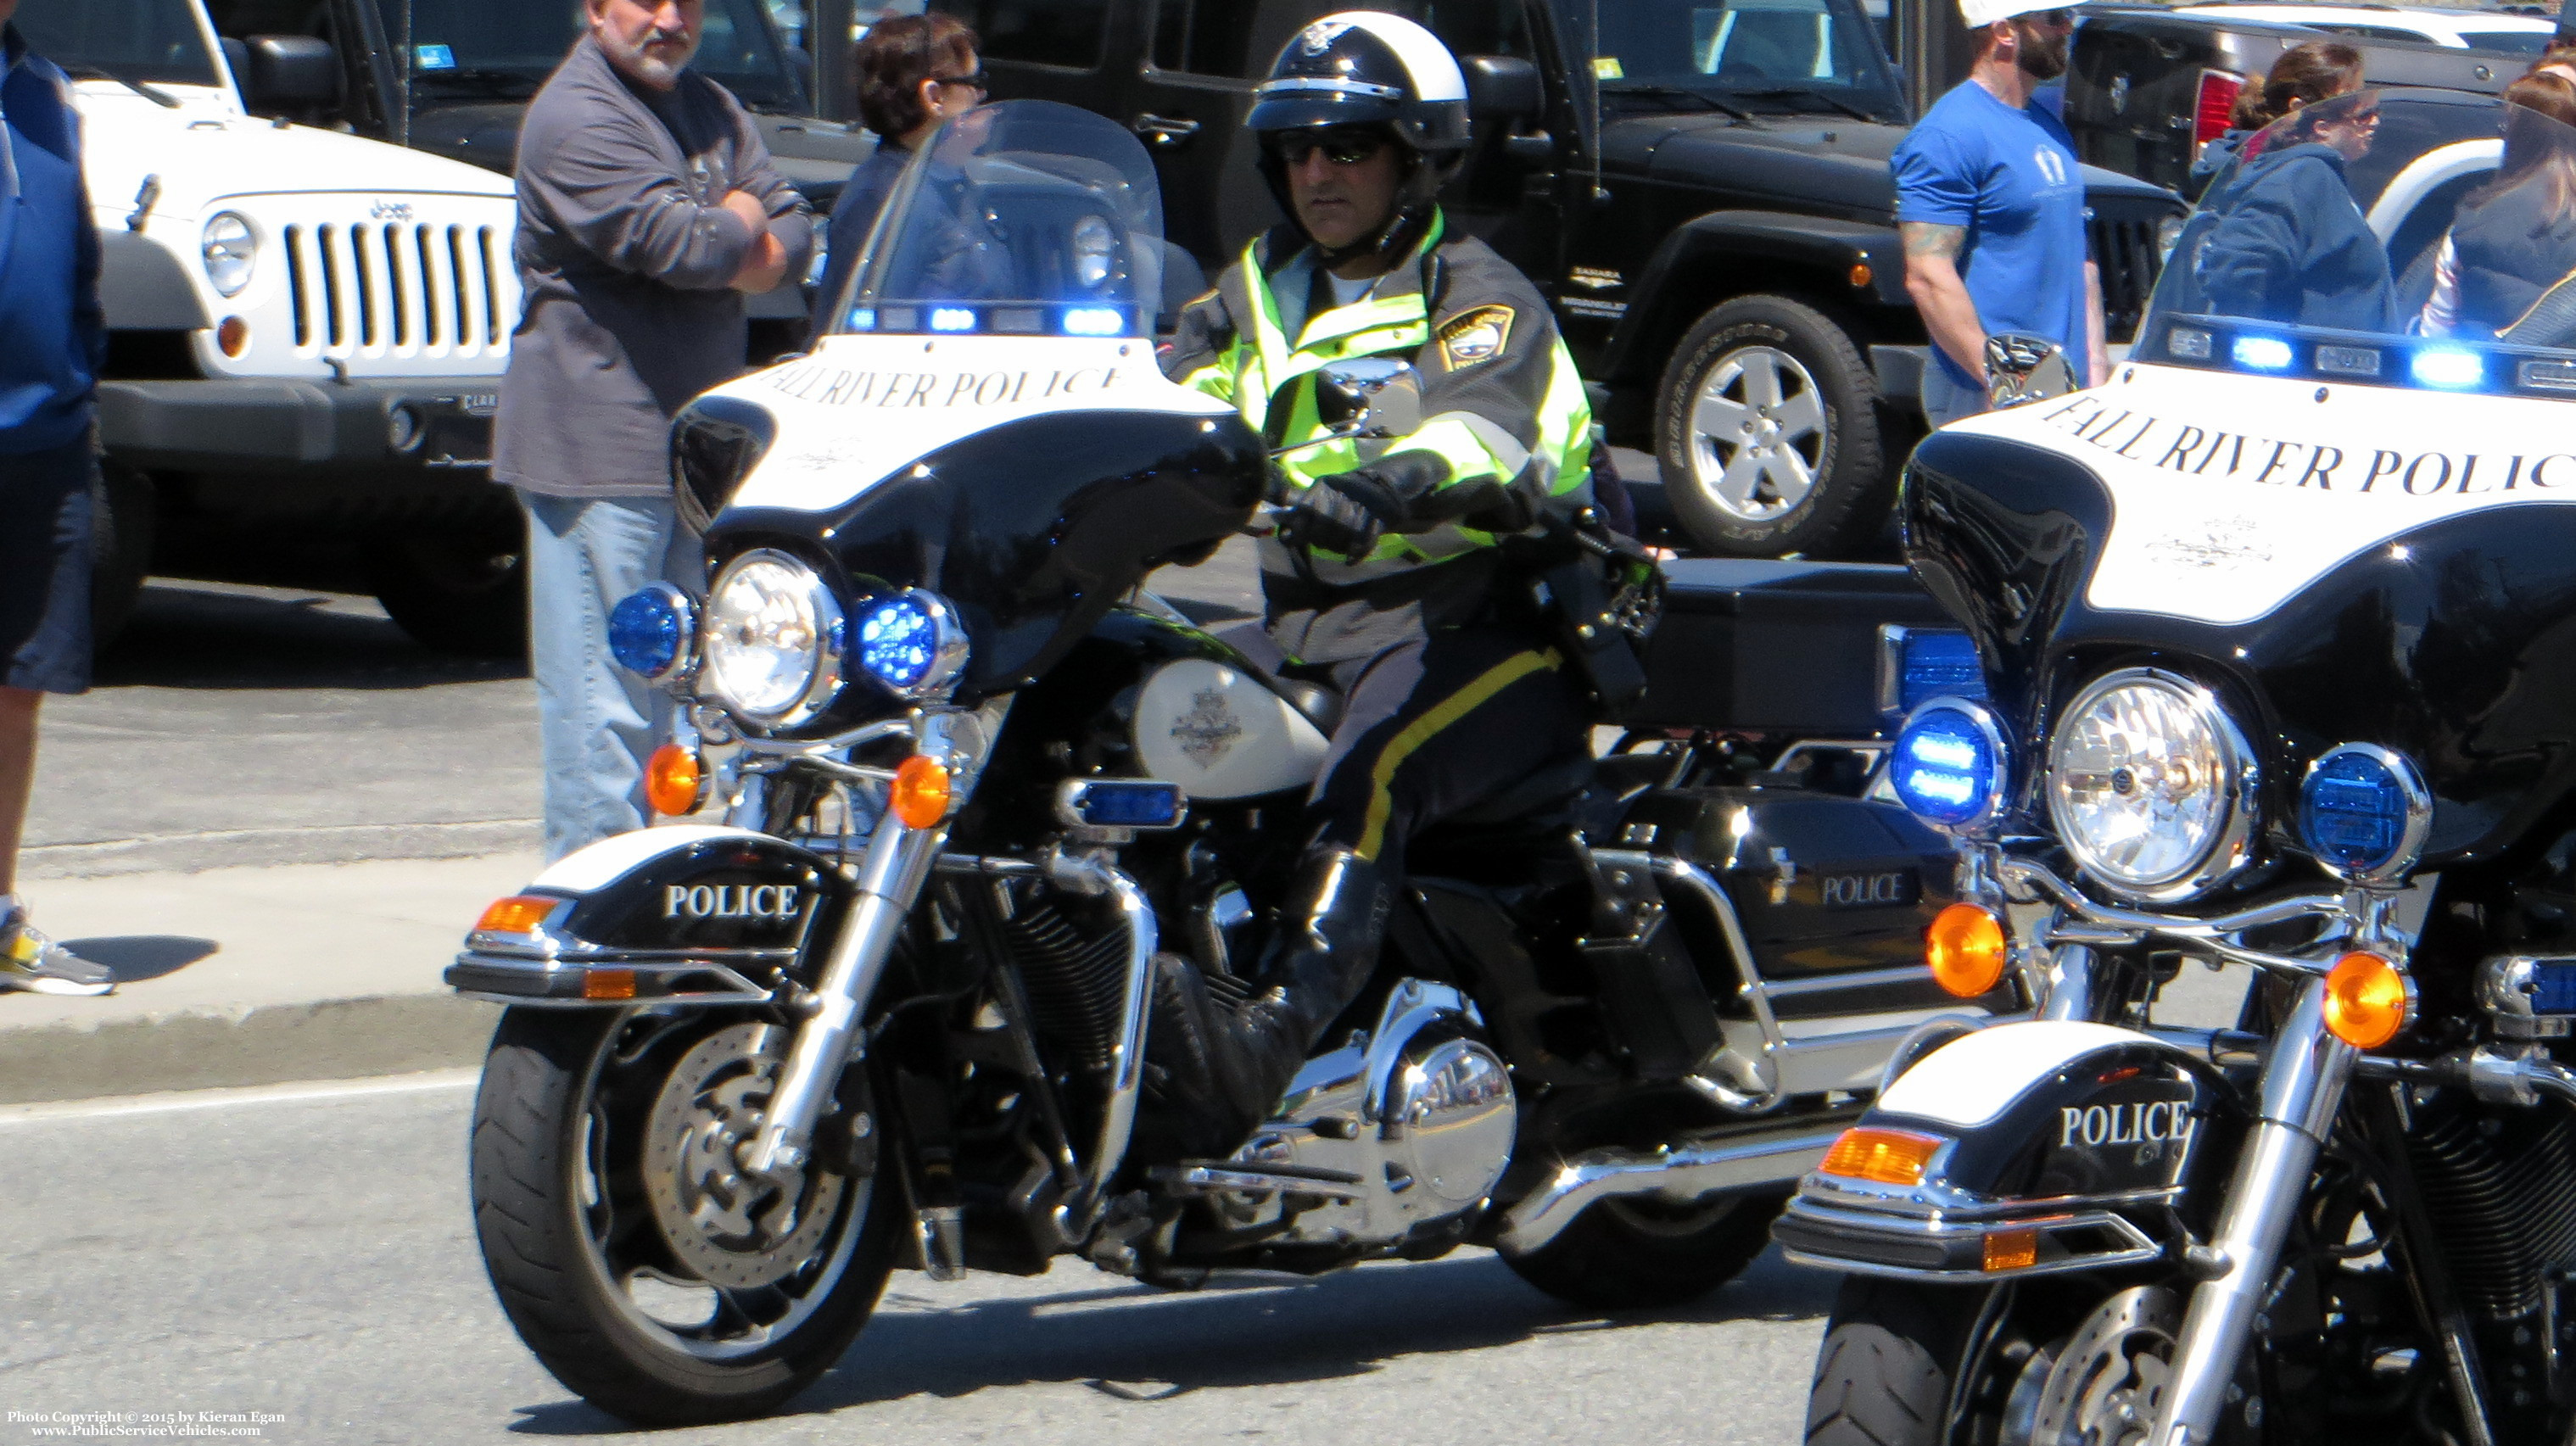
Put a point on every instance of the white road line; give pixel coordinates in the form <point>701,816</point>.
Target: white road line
<point>185,1100</point>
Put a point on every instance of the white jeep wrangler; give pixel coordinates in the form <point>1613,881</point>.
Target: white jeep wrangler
<point>306,329</point>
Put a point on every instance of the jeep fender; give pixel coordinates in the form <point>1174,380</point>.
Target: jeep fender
<point>142,286</point>
<point>1829,246</point>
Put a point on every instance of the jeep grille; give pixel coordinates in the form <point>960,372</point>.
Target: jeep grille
<point>394,286</point>
<point>2125,250</point>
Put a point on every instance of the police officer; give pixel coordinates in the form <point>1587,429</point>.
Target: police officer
<point>1383,573</point>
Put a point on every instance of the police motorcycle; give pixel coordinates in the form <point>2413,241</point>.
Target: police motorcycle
<point>895,1010</point>
<point>2273,631</point>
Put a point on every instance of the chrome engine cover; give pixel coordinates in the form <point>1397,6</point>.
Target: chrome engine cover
<point>1416,1114</point>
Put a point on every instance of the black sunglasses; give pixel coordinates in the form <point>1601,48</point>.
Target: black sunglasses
<point>1341,147</point>
<point>976,80</point>
<point>2050,17</point>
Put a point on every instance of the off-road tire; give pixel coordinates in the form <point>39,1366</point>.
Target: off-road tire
<point>1892,1349</point>
<point>1622,1256</point>
<point>120,550</point>
<point>527,1135</point>
<point>458,587</point>
<point>1848,494</point>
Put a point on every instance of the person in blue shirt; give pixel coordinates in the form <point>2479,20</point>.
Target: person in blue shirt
<point>915,72</point>
<point>53,339</point>
<point>1990,204</point>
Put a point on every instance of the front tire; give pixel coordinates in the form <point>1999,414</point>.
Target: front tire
<point>602,1279</point>
<point>1636,1254</point>
<point>459,587</point>
<point>1891,1351</point>
<point>1767,432</point>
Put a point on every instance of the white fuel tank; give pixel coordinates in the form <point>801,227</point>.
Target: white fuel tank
<point>1219,733</point>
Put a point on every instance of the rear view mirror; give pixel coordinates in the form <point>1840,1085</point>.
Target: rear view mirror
<point>1369,397</point>
<point>1502,87</point>
<point>2021,369</point>
<point>290,73</point>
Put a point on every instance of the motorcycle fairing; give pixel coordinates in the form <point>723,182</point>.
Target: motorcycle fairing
<point>2060,1128</point>
<point>2230,494</point>
<point>694,914</point>
<point>2443,640</point>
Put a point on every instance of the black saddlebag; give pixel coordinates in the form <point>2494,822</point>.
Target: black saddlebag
<point>1777,647</point>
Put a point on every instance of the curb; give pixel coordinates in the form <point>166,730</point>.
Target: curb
<point>332,1039</point>
<point>235,848</point>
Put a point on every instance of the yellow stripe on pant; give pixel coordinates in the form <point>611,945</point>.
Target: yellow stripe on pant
<point>1421,730</point>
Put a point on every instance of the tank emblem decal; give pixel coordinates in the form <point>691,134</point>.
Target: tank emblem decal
<point>1319,37</point>
<point>1207,732</point>
<point>1869,891</point>
<point>2223,542</point>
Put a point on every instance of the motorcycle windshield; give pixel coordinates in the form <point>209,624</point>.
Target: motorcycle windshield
<point>1025,218</point>
<point>2281,272</point>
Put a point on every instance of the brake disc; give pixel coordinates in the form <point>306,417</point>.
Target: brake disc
<point>733,1229</point>
<point>2105,1384</point>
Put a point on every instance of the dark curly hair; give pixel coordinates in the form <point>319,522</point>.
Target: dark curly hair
<point>896,56</point>
<point>2304,75</point>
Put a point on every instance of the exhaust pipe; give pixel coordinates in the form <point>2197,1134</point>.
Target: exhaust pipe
<point>1679,1176</point>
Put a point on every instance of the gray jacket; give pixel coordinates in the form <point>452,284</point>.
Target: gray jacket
<point>627,259</point>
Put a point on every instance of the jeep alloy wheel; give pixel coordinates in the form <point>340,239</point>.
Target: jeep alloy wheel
<point>1767,432</point>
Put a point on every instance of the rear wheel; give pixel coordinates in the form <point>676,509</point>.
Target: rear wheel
<point>1639,1253</point>
<point>120,550</point>
<point>1767,433</point>
<point>641,1265</point>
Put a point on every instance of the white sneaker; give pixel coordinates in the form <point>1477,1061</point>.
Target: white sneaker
<point>31,961</point>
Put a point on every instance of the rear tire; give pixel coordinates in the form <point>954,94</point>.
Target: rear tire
<point>120,550</point>
<point>571,1236</point>
<point>1639,1255</point>
<point>1767,432</point>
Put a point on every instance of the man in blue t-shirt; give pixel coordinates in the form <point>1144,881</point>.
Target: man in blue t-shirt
<point>1991,206</point>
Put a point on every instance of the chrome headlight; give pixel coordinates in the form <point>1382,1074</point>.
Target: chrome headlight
<point>773,640</point>
<point>230,251</point>
<point>1095,248</point>
<point>2151,787</point>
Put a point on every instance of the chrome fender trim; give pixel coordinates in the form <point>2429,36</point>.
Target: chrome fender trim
<point>1683,1174</point>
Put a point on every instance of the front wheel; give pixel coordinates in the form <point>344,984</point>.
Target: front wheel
<point>640,1265</point>
<point>1767,433</point>
<point>1637,1253</point>
<point>458,587</point>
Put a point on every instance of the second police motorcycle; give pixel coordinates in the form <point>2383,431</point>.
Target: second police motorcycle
<point>894,1010</point>
<point>2276,632</point>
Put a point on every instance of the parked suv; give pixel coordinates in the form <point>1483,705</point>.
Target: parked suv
<point>1700,188</point>
<point>306,329</point>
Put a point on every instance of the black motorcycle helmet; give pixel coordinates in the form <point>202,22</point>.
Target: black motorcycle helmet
<point>1368,68</point>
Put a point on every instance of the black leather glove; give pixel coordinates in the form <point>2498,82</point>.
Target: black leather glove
<point>1330,521</point>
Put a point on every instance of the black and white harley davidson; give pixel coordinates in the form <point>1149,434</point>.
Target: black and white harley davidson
<point>894,1010</point>
<point>2274,631</point>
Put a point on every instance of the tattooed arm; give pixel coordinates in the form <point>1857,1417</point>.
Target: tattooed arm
<point>1940,294</point>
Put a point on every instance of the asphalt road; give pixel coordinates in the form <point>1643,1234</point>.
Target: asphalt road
<point>312,1259</point>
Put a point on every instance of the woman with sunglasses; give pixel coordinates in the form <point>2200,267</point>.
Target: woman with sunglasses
<point>914,73</point>
<point>2291,244</point>
<point>2318,70</point>
<point>2513,242</point>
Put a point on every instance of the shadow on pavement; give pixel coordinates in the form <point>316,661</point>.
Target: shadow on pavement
<point>136,957</point>
<point>195,635</point>
<point>1140,1344</point>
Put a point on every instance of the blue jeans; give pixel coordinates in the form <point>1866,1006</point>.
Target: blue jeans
<point>599,722</point>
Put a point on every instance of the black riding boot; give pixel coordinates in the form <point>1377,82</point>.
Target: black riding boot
<point>1228,1064</point>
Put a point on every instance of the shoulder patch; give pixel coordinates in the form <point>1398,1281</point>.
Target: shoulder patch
<point>1475,336</point>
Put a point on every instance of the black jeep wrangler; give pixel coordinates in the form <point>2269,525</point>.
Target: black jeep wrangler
<point>1700,187</point>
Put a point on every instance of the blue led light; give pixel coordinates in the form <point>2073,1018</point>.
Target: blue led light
<point>1130,805</point>
<point>2262,353</point>
<point>863,318</point>
<point>2357,810</point>
<point>2448,367</point>
<point>952,318</point>
<point>1948,768</point>
<point>645,632</point>
<point>1938,661</point>
<point>1094,321</point>
<point>2553,988</point>
<point>898,641</point>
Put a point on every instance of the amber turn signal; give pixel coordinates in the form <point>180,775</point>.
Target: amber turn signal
<point>620,984</point>
<point>674,782</point>
<point>2011,1249</point>
<point>2368,1000</point>
<point>1965,947</point>
<point>233,336</point>
<point>1861,274</point>
<point>1889,1157</point>
<point>515,915</point>
<point>920,791</point>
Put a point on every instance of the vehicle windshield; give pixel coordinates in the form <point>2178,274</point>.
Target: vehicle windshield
<point>145,40</point>
<point>504,49</point>
<point>2279,272</point>
<point>1786,54</point>
<point>1023,218</point>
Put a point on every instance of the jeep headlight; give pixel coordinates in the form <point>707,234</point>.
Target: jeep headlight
<point>230,250</point>
<point>2151,787</point>
<point>773,643</point>
<point>1095,249</point>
